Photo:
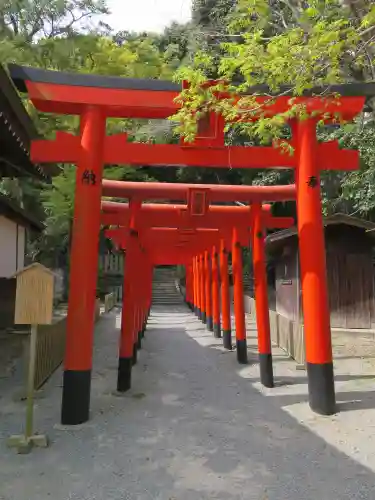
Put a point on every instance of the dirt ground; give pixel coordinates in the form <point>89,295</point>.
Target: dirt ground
<point>196,426</point>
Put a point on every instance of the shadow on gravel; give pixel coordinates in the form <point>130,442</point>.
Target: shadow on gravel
<point>230,428</point>
<point>199,431</point>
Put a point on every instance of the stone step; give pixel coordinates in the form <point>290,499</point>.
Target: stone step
<point>165,297</point>
<point>171,303</point>
<point>165,289</point>
<point>168,300</point>
<point>164,282</point>
<point>164,285</point>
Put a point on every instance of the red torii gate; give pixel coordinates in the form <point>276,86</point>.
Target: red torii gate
<point>134,316</point>
<point>178,246</point>
<point>212,192</point>
<point>94,98</point>
<point>142,191</point>
<point>166,245</point>
<point>171,243</point>
<point>164,215</point>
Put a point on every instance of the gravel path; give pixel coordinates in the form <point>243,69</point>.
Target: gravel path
<point>195,426</point>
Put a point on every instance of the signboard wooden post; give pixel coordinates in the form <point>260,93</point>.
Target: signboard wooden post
<point>34,306</point>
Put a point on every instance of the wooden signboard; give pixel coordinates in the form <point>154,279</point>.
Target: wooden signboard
<point>286,282</point>
<point>34,306</point>
<point>34,295</point>
<point>197,202</point>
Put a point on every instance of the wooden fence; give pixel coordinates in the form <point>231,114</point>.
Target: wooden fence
<point>109,302</point>
<point>116,291</point>
<point>112,263</point>
<point>50,348</point>
<point>285,333</point>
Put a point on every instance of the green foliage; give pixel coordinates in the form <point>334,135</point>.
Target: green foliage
<point>65,35</point>
<point>58,203</point>
<point>299,44</point>
<point>210,18</point>
<point>315,50</point>
<point>25,20</point>
<point>311,52</point>
<point>357,189</point>
<point>174,43</point>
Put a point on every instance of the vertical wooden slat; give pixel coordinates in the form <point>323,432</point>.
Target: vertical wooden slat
<point>274,327</point>
<point>336,271</point>
<point>50,348</point>
<point>359,289</point>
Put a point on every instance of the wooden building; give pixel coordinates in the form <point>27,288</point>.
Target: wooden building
<point>16,133</point>
<point>350,272</point>
<point>16,224</point>
<point>15,227</point>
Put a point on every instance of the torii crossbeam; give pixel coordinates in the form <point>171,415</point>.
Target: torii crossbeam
<point>164,215</point>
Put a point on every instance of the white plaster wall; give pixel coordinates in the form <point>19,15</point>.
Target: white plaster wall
<point>9,261</point>
<point>21,247</point>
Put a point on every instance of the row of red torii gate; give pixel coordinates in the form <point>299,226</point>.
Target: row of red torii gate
<point>197,234</point>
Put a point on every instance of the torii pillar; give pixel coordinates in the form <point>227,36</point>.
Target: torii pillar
<point>261,298</point>
<point>208,290</point>
<point>189,286</point>
<point>215,294</point>
<point>202,275</point>
<point>239,307</point>
<point>83,270</point>
<point>198,287</point>
<point>313,273</point>
<point>148,294</point>
<point>128,345</point>
<point>225,297</point>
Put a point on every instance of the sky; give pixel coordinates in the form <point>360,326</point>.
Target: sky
<point>146,15</point>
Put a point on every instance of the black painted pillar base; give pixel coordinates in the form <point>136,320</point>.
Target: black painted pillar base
<point>321,384</point>
<point>210,323</point>
<point>199,313</point>
<point>143,330</point>
<point>135,354</point>
<point>124,374</point>
<point>76,397</point>
<point>227,339</point>
<point>203,317</point>
<point>217,330</point>
<point>139,343</point>
<point>242,352</point>
<point>266,370</point>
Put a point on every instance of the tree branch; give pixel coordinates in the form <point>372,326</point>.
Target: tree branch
<point>14,23</point>
<point>67,28</point>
